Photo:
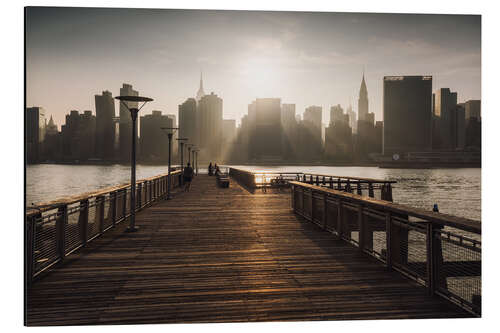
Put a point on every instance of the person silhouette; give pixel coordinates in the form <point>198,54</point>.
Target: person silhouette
<point>210,169</point>
<point>188,177</point>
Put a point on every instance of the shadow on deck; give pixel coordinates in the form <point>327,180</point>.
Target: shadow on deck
<point>224,255</point>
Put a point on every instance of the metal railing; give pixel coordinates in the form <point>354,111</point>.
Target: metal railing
<point>359,185</point>
<point>439,251</point>
<point>56,229</point>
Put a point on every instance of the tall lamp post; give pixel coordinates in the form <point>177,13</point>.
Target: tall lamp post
<point>195,161</point>
<point>181,141</point>
<point>170,133</point>
<point>189,145</point>
<point>133,113</point>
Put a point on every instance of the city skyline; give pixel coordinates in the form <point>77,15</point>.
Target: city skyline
<point>320,56</point>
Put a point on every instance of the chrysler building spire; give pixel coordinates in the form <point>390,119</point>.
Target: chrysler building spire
<point>363,100</point>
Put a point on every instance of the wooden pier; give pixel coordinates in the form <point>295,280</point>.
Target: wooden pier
<point>224,255</point>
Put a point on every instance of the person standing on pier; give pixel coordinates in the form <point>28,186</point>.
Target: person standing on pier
<point>188,177</point>
<point>210,169</point>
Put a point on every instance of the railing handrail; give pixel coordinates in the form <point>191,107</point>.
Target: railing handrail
<point>45,206</point>
<point>370,180</point>
<point>463,223</point>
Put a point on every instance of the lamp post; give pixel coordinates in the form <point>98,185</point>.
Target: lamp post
<point>170,133</point>
<point>195,161</point>
<point>189,145</point>
<point>133,113</point>
<point>181,140</point>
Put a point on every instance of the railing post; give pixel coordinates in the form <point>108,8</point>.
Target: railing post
<point>358,188</point>
<point>388,240</point>
<point>431,284</point>
<point>83,220</point>
<point>317,180</point>
<point>311,201</point>
<point>340,216</point>
<point>325,209</point>
<point>138,198</point>
<point>371,194</point>
<point>339,184</point>
<point>361,229</point>
<point>323,182</point>
<point>100,203</point>
<point>293,198</point>
<point>30,246</point>
<point>112,204</point>
<point>331,182</point>
<point>61,222</point>
<point>303,201</point>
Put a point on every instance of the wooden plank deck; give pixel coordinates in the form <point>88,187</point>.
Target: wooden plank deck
<point>224,255</point>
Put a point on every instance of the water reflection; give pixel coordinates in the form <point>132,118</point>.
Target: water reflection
<point>456,191</point>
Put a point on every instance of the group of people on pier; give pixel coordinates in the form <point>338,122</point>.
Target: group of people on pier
<point>213,169</point>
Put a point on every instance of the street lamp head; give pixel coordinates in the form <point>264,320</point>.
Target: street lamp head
<point>133,98</point>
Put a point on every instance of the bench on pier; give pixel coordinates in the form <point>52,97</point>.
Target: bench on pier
<point>222,178</point>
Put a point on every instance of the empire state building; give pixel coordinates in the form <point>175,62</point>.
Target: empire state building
<point>200,92</point>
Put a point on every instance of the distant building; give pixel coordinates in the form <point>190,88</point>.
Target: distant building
<point>154,140</point>
<point>312,119</point>
<point>288,115</point>
<point>188,121</point>
<point>52,142</point>
<point>353,121</point>
<point>105,126</point>
<point>407,114</point>
<point>35,133</point>
<point>445,105</point>
<point>338,135</point>
<point>363,100</point>
<point>125,124</point>
<point>472,124</point>
<point>473,110</point>
<point>78,136</point>
<point>337,115</point>
<point>210,126</point>
<point>229,130</point>
<point>266,137</point>
<point>200,92</point>
<point>175,136</point>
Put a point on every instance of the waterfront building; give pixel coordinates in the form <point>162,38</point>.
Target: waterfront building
<point>154,140</point>
<point>312,119</point>
<point>78,136</point>
<point>473,110</point>
<point>338,135</point>
<point>353,121</point>
<point>445,105</point>
<point>188,121</point>
<point>105,125</point>
<point>266,134</point>
<point>210,126</point>
<point>35,133</point>
<point>407,114</point>
<point>125,123</point>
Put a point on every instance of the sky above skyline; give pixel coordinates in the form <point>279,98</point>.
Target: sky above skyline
<point>303,58</point>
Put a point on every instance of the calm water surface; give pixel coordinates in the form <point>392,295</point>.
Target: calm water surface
<point>456,191</point>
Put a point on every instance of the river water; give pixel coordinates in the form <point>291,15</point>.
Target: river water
<point>456,191</point>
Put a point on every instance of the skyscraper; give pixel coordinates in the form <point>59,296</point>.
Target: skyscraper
<point>200,92</point>
<point>188,121</point>
<point>353,121</point>
<point>105,126</point>
<point>407,114</point>
<point>445,105</point>
<point>125,124</point>
<point>266,140</point>
<point>313,117</point>
<point>210,125</point>
<point>363,100</point>
<point>154,140</point>
<point>35,133</point>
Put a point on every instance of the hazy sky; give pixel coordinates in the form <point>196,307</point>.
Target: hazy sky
<point>303,58</point>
